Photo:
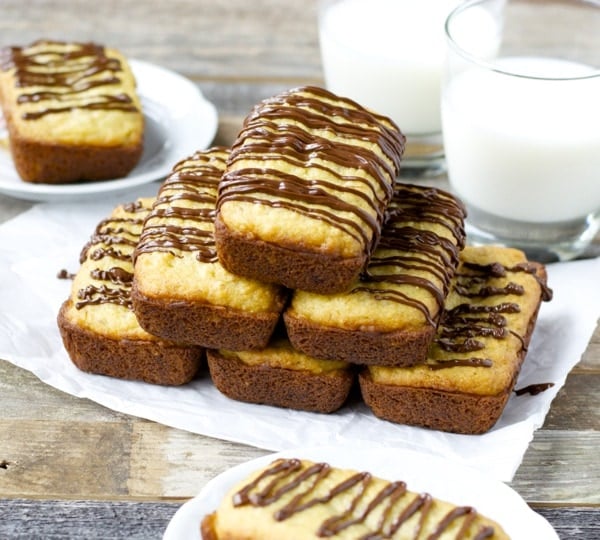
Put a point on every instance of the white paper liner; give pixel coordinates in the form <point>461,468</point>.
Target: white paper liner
<point>35,245</point>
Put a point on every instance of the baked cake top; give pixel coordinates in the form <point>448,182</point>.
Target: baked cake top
<point>485,326</point>
<point>176,257</point>
<point>67,93</point>
<point>294,498</point>
<point>100,298</point>
<point>406,281</point>
<point>311,170</point>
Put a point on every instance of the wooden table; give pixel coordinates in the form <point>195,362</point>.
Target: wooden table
<point>70,468</point>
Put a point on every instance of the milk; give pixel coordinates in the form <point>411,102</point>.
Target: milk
<point>523,148</point>
<point>388,56</point>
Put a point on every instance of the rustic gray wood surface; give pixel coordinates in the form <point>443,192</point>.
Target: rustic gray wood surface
<point>70,468</point>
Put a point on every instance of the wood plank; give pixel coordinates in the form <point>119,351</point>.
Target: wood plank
<point>167,462</point>
<point>64,459</point>
<point>572,407</point>
<point>147,521</point>
<point>25,398</point>
<point>202,39</point>
<point>90,520</point>
<point>560,467</point>
<point>591,357</point>
<point>178,464</point>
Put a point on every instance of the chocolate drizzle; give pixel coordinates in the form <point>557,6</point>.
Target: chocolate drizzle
<point>114,238</point>
<point>461,325</point>
<point>300,150</point>
<point>183,214</point>
<point>62,74</point>
<point>309,485</point>
<point>63,273</point>
<point>410,253</point>
<point>534,389</point>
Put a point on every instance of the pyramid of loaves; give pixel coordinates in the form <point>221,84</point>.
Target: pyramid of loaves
<point>298,267</point>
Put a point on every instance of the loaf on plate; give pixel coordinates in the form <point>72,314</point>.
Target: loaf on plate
<point>476,356</point>
<point>389,314</point>
<point>296,498</point>
<point>99,329</point>
<point>72,111</point>
<point>181,291</point>
<point>303,198</point>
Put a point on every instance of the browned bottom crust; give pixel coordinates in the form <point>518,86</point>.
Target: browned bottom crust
<point>294,269</point>
<point>399,348</point>
<point>437,409</point>
<point>279,387</point>
<point>207,527</point>
<point>61,164</point>
<point>154,362</point>
<point>213,327</point>
<point>455,412</point>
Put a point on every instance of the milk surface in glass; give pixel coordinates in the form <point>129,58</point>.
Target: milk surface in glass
<point>525,148</point>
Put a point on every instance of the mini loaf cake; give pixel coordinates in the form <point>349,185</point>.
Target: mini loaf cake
<point>99,329</point>
<point>72,112</point>
<point>180,290</point>
<point>294,498</point>
<point>303,197</point>
<point>478,350</point>
<point>279,375</point>
<point>390,314</point>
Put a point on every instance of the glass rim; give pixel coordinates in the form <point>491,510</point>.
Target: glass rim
<point>491,66</point>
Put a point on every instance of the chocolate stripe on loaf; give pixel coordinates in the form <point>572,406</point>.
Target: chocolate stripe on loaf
<point>183,215</point>
<point>475,358</point>
<point>72,112</point>
<point>317,155</point>
<point>64,77</point>
<point>412,253</point>
<point>281,376</point>
<point>114,238</point>
<point>99,329</point>
<point>389,315</point>
<point>296,498</point>
<point>181,291</point>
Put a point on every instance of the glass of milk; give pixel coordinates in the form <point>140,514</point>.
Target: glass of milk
<point>388,55</point>
<point>521,123</point>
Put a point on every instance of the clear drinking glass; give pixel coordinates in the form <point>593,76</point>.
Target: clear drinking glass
<point>388,55</point>
<point>521,122</point>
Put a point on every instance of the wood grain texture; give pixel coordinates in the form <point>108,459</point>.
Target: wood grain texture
<point>107,520</point>
<point>203,39</point>
<point>55,444</point>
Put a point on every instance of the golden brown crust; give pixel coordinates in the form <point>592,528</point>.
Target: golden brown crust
<point>454,412</point>
<point>206,325</point>
<point>72,111</point>
<point>280,387</point>
<point>58,164</point>
<point>207,527</point>
<point>398,348</point>
<point>181,292</point>
<point>388,317</point>
<point>447,410</point>
<point>151,361</point>
<point>302,200</point>
<point>310,271</point>
<point>292,498</point>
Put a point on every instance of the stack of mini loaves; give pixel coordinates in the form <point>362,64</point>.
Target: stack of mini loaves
<point>299,265</point>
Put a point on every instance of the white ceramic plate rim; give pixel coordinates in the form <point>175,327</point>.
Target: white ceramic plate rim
<point>179,121</point>
<point>422,473</point>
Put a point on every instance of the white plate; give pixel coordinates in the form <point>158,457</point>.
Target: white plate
<point>179,121</point>
<point>422,473</point>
